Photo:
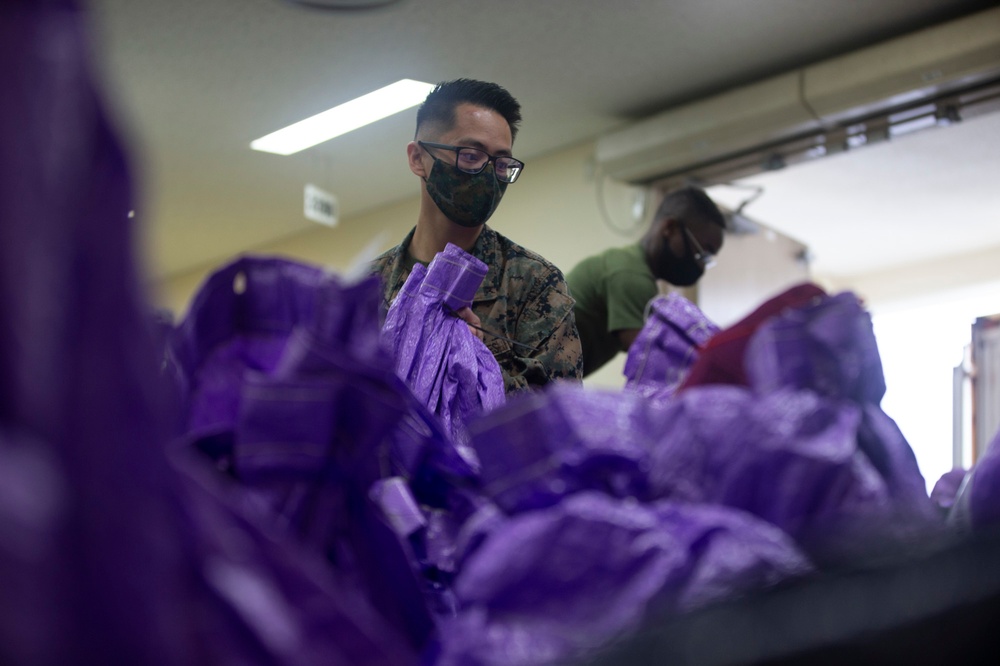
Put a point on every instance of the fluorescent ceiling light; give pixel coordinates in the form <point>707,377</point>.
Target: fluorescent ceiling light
<point>344,118</point>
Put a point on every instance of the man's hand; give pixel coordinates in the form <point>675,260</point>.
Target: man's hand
<point>467,315</point>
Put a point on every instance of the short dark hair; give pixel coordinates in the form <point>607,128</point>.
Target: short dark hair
<point>439,107</point>
<point>688,204</point>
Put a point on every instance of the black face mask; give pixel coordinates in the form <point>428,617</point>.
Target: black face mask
<point>680,271</point>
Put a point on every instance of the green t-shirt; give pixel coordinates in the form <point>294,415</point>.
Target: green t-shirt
<point>611,290</point>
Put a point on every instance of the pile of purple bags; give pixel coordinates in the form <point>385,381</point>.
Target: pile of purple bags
<point>283,478</point>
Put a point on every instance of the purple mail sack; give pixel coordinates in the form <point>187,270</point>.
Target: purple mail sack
<point>828,348</point>
<point>294,395</point>
<point>552,585</point>
<point>667,346</point>
<point>448,368</point>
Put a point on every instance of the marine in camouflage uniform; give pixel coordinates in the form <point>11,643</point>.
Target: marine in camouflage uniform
<point>523,297</point>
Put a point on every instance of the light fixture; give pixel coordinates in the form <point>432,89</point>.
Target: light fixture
<point>877,130</point>
<point>342,4</point>
<point>947,114</point>
<point>344,118</point>
<point>773,162</point>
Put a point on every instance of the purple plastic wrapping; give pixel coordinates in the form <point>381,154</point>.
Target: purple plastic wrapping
<point>547,445</point>
<point>289,370</point>
<point>981,495</point>
<point>239,320</point>
<point>882,442</point>
<point>88,543</point>
<point>261,599</point>
<point>806,448</point>
<point>827,347</point>
<point>271,344</point>
<point>666,347</point>
<point>447,367</point>
<point>110,553</point>
<point>946,488</point>
<point>551,585</point>
<point>790,457</point>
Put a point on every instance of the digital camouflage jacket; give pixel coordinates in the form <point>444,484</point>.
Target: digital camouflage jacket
<point>523,297</point>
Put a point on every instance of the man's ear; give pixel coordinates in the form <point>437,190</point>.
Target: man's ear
<point>415,157</point>
<point>666,226</point>
<point>673,236</point>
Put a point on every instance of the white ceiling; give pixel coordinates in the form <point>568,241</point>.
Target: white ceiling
<point>194,81</point>
<point>922,196</point>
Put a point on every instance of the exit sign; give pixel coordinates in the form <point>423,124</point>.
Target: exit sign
<point>320,206</point>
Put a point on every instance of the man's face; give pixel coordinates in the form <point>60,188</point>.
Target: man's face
<point>463,195</point>
<point>681,254</point>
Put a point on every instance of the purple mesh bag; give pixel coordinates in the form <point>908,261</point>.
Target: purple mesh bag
<point>240,319</point>
<point>448,368</point>
<point>544,446</point>
<point>829,348</point>
<point>789,457</point>
<point>805,454</point>
<point>260,321</point>
<point>666,347</point>
<point>317,420</point>
<point>832,472</point>
<point>552,585</point>
<point>260,598</point>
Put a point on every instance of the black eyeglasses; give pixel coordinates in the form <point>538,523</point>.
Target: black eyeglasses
<point>473,160</point>
<point>706,259</point>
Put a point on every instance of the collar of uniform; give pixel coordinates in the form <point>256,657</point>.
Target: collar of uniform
<point>397,268</point>
<point>486,249</point>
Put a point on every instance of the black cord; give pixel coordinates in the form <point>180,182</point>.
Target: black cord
<point>341,5</point>
<point>599,180</point>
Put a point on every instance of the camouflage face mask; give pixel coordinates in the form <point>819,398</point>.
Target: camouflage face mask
<point>468,199</point>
